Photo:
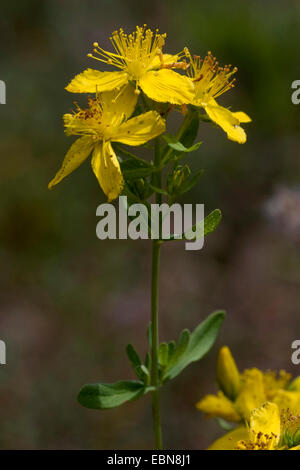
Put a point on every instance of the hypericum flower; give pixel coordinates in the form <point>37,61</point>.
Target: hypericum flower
<point>267,430</point>
<point>142,64</point>
<point>211,81</point>
<point>105,121</point>
<point>242,392</point>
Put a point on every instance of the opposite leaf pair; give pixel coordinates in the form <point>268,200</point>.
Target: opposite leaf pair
<point>173,359</point>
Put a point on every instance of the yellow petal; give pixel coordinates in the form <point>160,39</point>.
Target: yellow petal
<point>295,448</point>
<point>140,129</point>
<point>92,81</point>
<point>274,382</point>
<point>265,424</point>
<point>288,399</point>
<point>121,102</point>
<point>167,59</point>
<point>229,440</point>
<point>251,394</point>
<point>76,154</point>
<point>107,170</point>
<point>226,120</point>
<point>241,116</point>
<point>167,86</point>
<point>218,405</point>
<point>228,376</point>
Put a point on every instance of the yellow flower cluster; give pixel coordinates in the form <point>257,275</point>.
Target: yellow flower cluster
<point>180,79</point>
<point>265,404</point>
<point>268,429</point>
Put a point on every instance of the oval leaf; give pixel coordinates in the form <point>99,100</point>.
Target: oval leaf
<point>211,221</point>
<point>201,340</point>
<point>102,396</point>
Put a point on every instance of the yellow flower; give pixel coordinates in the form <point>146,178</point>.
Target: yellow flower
<point>211,81</point>
<point>142,64</point>
<point>242,392</point>
<point>270,431</point>
<point>267,430</point>
<point>105,121</point>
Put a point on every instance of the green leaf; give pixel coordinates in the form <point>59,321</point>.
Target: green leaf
<point>171,346</point>
<point>130,155</point>
<point>191,182</point>
<point>136,168</point>
<point>143,374</point>
<point>136,362</point>
<point>133,164</point>
<point>189,129</point>
<point>159,190</point>
<point>211,221</point>
<point>176,144</point>
<point>137,173</point>
<point>163,354</point>
<point>102,396</point>
<point>133,356</point>
<point>181,148</point>
<point>148,360</point>
<point>201,341</point>
<point>186,135</point>
<point>180,348</point>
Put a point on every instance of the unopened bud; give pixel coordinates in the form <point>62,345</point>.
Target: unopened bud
<point>228,376</point>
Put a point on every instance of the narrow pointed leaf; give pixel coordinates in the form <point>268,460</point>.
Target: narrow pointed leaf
<point>179,147</point>
<point>158,190</point>
<point>143,374</point>
<point>191,182</point>
<point>133,356</point>
<point>148,361</point>
<point>171,346</point>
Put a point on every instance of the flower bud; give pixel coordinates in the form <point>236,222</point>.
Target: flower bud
<point>228,376</point>
<point>177,177</point>
<point>140,188</point>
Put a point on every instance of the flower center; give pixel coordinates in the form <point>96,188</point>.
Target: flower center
<point>260,441</point>
<point>134,52</point>
<point>94,121</point>
<point>210,80</point>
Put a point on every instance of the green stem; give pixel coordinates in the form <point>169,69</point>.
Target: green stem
<point>154,317</point>
<point>155,344</point>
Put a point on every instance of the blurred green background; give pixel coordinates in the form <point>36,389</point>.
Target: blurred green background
<point>69,302</point>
